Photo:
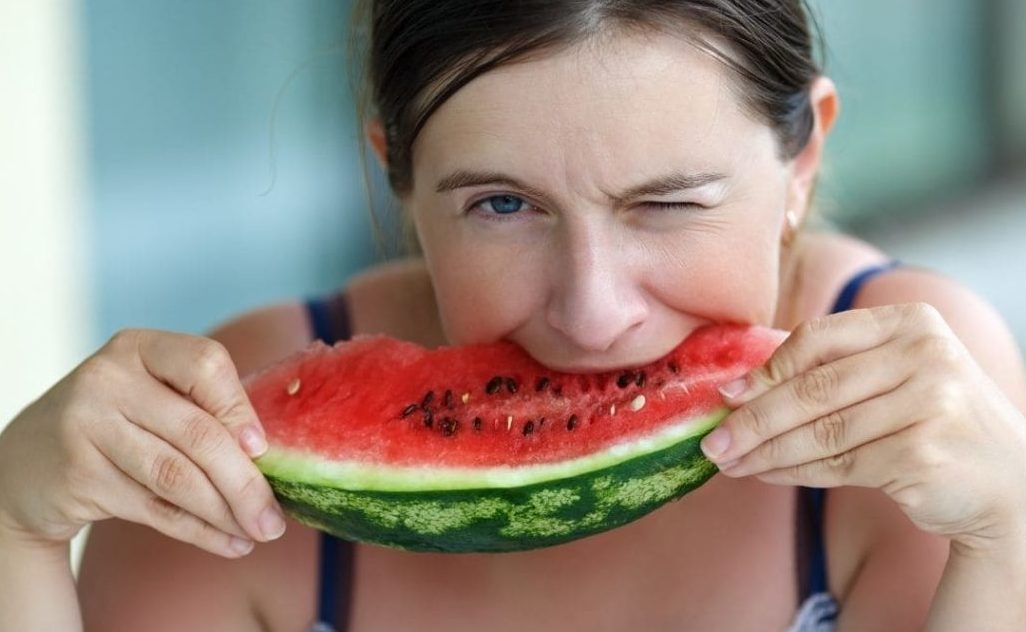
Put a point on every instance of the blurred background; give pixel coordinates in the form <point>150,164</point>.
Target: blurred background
<point>170,163</point>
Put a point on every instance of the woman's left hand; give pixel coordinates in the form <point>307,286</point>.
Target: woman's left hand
<point>888,398</point>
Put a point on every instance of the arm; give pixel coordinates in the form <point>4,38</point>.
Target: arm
<point>39,590</point>
<point>904,565</point>
<point>891,398</point>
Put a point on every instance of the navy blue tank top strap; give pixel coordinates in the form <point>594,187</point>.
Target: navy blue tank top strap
<point>329,322</point>
<point>812,563</point>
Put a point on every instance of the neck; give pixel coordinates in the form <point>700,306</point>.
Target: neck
<point>790,306</point>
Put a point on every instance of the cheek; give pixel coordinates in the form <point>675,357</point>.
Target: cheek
<point>483,292</point>
<point>733,276</point>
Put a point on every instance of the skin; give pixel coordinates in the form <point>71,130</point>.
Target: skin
<point>926,516</point>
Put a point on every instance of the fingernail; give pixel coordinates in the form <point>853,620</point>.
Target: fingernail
<point>241,546</point>
<point>716,443</point>
<point>734,389</point>
<point>272,525</point>
<point>253,442</point>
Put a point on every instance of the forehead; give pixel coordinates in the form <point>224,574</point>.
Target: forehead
<point>613,102</point>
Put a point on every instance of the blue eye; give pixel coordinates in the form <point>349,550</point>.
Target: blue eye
<point>504,204</point>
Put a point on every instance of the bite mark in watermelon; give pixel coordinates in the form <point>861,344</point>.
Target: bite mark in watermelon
<point>481,448</point>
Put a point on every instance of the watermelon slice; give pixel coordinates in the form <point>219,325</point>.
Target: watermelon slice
<point>481,448</point>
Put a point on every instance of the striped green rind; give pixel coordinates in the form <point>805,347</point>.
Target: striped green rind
<point>505,518</point>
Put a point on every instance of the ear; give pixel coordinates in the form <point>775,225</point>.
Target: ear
<point>825,107</point>
<point>375,133</point>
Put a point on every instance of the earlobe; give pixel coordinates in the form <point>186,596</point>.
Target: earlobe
<point>375,134</point>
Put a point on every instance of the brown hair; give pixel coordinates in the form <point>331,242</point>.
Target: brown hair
<point>418,53</point>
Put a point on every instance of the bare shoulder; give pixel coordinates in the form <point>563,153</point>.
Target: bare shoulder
<point>396,299</point>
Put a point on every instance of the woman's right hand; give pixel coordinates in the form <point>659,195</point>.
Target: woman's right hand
<point>148,429</point>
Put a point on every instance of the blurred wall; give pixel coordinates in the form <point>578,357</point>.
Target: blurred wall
<point>45,308</point>
<point>224,170</point>
<point>46,316</point>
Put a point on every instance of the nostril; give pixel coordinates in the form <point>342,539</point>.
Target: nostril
<point>597,330</point>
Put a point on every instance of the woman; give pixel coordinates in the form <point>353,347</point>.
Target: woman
<point>592,180</point>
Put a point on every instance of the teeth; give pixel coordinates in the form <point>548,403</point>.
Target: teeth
<point>638,403</point>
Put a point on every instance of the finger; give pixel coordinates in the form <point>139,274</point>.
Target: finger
<point>202,369</point>
<point>823,340</point>
<point>811,395</point>
<point>165,472</point>
<point>207,443</point>
<point>831,435</point>
<point>869,465</point>
<point>132,501</point>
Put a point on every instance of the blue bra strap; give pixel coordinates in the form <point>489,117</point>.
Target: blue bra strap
<point>817,569</point>
<point>328,578</point>
<point>851,289</point>
<point>320,320</point>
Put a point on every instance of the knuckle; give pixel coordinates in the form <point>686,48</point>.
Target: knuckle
<point>938,351</point>
<point>164,511</point>
<point>95,372</point>
<point>946,399</point>
<point>840,465</point>
<point>816,387</point>
<point>928,458</point>
<point>830,432</point>
<point>212,359</point>
<point>201,434</point>
<point>255,487</point>
<point>754,420</point>
<point>769,453</point>
<point>779,366</point>
<point>169,474</point>
<point>124,339</point>
<point>923,315</point>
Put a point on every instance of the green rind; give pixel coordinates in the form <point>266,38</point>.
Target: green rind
<point>500,519</point>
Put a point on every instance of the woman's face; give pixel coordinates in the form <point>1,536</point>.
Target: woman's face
<point>598,204</point>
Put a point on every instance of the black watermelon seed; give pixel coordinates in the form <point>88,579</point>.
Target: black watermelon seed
<point>449,426</point>
<point>543,383</point>
<point>447,400</point>
<point>493,385</point>
<point>409,410</point>
<point>572,422</point>
<point>674,368</point>
<point>640,380</point>
<point>541,422</point>
<point>428,418</point>
<point>430,397</point>
<point>625,379</point>
<point>528,428</point>
<point>511,385</point>
<point>477,423</point>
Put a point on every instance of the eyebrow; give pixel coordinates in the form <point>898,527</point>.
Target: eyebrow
<point>662,185</point>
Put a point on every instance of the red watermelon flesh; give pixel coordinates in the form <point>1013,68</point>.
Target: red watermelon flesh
<point>380,400</point>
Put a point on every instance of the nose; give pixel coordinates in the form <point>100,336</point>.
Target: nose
<point>595,298</point>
